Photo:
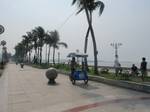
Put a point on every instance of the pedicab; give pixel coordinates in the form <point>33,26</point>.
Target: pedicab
<point>80,73</point>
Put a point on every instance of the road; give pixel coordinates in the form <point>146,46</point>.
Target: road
<point>26,90</point>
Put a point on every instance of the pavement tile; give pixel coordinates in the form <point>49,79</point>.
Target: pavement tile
<point>28,92</point>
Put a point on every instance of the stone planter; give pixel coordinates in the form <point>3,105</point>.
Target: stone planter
<point>22,65</point>
<point>51,74</point>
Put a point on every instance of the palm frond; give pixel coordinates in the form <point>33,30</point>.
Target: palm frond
<point>73,2</point>
<point>101,6</point>
<point>80,10</point>
<point>24,36</point>
<point>63,44</point>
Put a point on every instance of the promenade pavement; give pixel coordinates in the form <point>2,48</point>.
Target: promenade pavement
<point>26,90</point>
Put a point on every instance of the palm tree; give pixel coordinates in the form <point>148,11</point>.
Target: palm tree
<point>27,42</point>
<point>49,41</point>
<point>30,44</point>
<point>89,6</point>
<point>24,47</point>
<point>56,43</point>
<point>20,52</point>
<point>40,32</point>
<point>30,47</point>
<point>35,44</point>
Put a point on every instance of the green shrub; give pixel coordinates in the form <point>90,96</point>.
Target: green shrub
<point>104,71</point>
<point>62,67</point>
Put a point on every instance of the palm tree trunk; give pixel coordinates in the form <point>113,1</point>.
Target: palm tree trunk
<point>86,43</point>
<point>49,53</point>
<point>94,41</point>
<point>54,55</point>
<point>86,40</point>
<point>35,56</point>
<point>40,55</point>
<point>30,56</point>
<point>87,34</point>
<point>85,48</point>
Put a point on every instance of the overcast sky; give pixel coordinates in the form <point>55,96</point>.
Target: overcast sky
<point>125,21</point>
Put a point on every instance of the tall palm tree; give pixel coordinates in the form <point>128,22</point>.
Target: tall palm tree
<point>30,51</point>
<point>35,44</point>
<point>40,32</point>
<point>27,42</point>
<point>24,47</point>
<point>89,6</point>
<point>49,42</point>
<point>20,51</point>
<point>46,43</point>
<point>56,43</point>
<point>30,44</point>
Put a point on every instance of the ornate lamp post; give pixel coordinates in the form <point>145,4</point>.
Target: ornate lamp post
<point>116,46</point>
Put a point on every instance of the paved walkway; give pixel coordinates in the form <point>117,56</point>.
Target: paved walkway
<point>26,90</point>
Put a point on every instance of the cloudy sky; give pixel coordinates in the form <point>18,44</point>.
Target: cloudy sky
<point>125,21</point>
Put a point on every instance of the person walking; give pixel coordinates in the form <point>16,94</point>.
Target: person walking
<point>73,65</point>
<point>143,68</point>
<point>134,70</point>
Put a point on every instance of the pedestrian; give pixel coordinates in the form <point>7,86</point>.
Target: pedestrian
<point>143,68</point>
<point>134,70</point>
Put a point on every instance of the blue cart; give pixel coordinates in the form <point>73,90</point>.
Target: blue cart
<point>79,74</point>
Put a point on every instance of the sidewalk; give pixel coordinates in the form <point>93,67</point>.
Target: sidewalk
<point>3,93</point>
<point>26,90</point>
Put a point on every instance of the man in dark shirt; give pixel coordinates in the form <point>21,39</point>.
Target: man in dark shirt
<point>73,65</point>
<point>143,68</point>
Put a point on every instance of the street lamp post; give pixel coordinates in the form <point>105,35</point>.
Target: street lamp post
<point>116,46</point>
<point>116,62</point>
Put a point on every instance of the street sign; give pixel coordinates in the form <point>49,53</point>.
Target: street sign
<point>1,29</point>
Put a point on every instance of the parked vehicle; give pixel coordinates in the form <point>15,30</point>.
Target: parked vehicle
<point>79,73</point>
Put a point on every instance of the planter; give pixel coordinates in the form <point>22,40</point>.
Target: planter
<point>51,74</point>
<point>22,65</point>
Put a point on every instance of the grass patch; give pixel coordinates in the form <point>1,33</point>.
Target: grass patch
<point>120,77</point>
<point>42,66</point>
<point>62,67</point>
<point>108,75</point>
<point>112,76</point>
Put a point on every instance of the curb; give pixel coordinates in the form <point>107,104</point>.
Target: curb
<point>119,83</point>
